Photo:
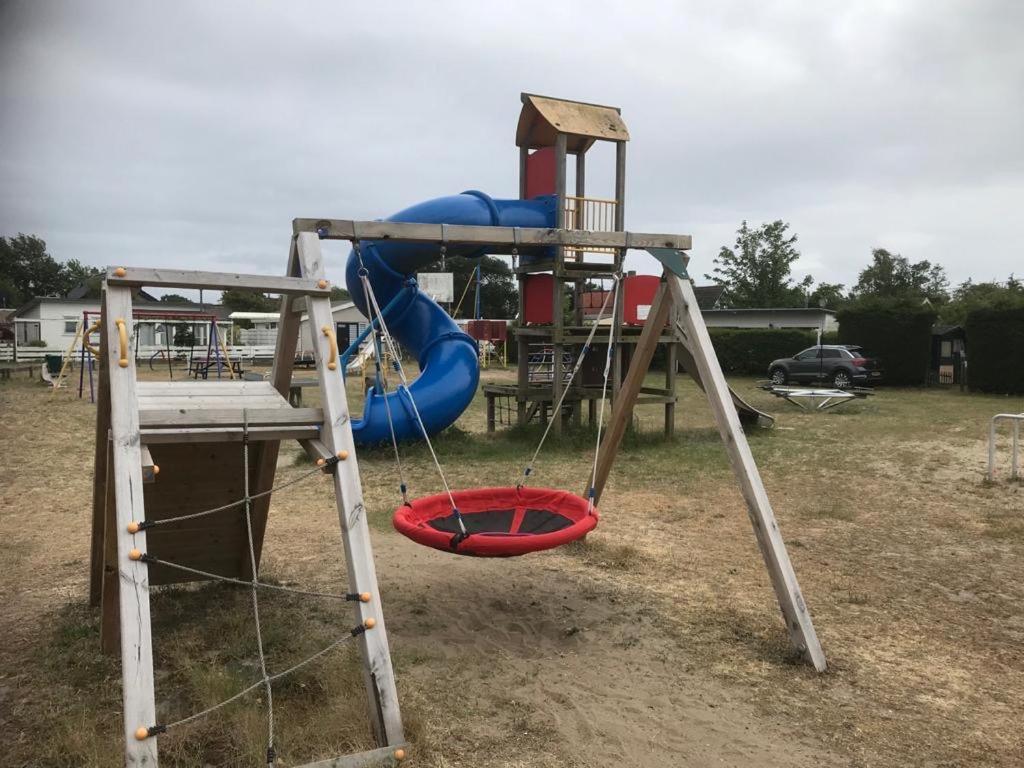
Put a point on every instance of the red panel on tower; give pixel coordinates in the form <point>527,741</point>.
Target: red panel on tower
<point>638,296</point>
<point>537,299</point>
<point>540,172</point>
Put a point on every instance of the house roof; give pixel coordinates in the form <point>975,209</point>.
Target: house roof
<point>948,330</point>
<point>708,295</point>
<point>543,118</point>
<point>140,303</point>
<point>771,310</point>
<point>89,290</point>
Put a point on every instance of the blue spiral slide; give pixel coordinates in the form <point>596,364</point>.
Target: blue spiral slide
<point>447,356</point>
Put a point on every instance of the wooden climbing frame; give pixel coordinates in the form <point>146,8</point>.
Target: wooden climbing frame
<point>172,446</point>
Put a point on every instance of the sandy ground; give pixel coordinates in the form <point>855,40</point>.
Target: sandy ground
<point>656,644</point>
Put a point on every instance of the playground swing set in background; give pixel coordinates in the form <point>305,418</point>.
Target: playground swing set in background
<point>154,523</point>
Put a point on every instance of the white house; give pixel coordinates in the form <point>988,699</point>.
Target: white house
<point>808,318</point>
<point>349,322</point>
<point>55,321</point>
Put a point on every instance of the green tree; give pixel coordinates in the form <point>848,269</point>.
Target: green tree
<point>174,298</point>
<point>828,296</point>
<point>248,301</point>
<point>339,294</point>
<point>895,277</point>
<point>184,335</point>
<point>28,270</point>
<point>756,271</point>
<point>498,297</point>
<point>969,296</point>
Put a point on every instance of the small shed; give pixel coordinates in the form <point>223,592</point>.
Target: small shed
<point>949,354</point>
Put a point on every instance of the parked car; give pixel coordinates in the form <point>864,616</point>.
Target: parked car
<point>841,366</point>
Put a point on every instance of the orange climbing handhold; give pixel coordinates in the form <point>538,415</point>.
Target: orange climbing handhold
<point>120,272</point>
<point>399,754</point>
<point>134,527</point>
<point>321,462</point>
<point>364,597</point>
<point>321,283</point>
<point>343,454</point>
<point>135,554</point>
<point>156,470</point>
<point>370,623</point>
<point>142,733</point>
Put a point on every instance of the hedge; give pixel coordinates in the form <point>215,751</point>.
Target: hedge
<point>899,332</point>
<point>750,351</point>
<point>995,349</point>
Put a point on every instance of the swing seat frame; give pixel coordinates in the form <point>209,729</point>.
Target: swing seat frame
<point>499,522</point>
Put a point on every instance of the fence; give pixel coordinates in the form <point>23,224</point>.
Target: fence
<point>20,354</point>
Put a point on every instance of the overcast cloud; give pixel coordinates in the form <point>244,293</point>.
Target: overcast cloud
<point>191,133</point>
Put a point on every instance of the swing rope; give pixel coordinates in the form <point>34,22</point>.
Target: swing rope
<point>576,368</point>
<point>382,382</point>
<point>604,391</point>
<point>253,586</point>
<point>374,308</point>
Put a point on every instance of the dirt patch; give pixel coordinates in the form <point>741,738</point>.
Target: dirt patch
<point>656,642</point>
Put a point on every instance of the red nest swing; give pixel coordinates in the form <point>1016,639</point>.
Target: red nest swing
<point>499,522</point>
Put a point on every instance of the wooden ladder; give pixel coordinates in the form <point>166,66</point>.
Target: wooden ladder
<point>191,433</point>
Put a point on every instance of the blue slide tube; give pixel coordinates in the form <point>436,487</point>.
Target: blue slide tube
<point>447,356</point>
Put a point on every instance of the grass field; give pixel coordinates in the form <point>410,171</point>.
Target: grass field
<point>655,642</point>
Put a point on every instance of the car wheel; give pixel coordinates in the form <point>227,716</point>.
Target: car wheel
<point>778,376</point>
<point>841,379</point>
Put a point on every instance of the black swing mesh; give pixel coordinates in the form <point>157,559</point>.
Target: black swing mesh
<point>535,521</point>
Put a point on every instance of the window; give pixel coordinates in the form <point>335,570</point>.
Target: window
<point>831,354</point>
<point>70,325</point>
<point>808,354</point>
<point>947,349</point>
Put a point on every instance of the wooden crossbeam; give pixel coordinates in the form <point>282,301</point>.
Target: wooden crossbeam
<point>511,237</point>
<point>231,417</point>
<point>218,281</point>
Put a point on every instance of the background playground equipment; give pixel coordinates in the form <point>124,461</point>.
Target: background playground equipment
<point>820,399</point>
<point>216,357</point>
<point>1015,420</point>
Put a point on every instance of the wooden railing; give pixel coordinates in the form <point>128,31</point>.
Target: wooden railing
<point>593,214</point>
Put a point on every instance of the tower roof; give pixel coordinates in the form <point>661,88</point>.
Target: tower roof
<point>543,118</point>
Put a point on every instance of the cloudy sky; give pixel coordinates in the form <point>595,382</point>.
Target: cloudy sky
<point>191,133</point>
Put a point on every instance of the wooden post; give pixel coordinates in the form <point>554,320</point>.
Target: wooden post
<point>670,386</point>
<point>558,285</point>
<point>101,456</point>
<point>623,406</point>
<point>766,529</point>
<point>524,154</point>
<point>136,632</point>
<point>379,676</point>
<point>266,451</point>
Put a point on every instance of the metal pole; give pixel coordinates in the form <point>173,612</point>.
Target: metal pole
<point>1014,468</point>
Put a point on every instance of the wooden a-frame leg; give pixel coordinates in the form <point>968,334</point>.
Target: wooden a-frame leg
<point>622,407</point>
<point>133,586</point>
<point>769,538</point>
<point>362,577</point>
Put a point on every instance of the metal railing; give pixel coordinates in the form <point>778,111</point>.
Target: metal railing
<point>1016,419</point>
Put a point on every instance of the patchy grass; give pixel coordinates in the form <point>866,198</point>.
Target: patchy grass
<point>912,566</point>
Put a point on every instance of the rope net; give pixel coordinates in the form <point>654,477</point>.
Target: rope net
<point>254,585</point>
